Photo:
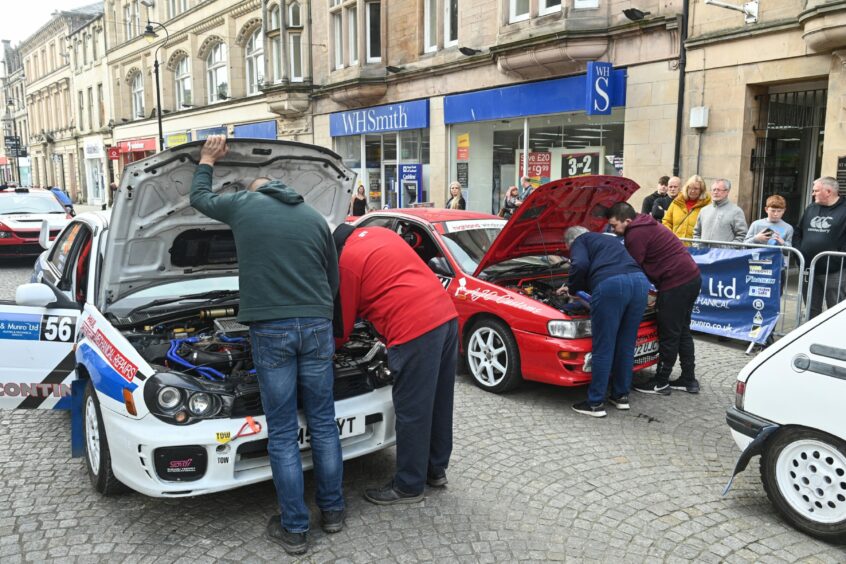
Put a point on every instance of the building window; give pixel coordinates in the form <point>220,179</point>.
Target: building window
<point>91,108</point>
<point>450,23</point>
<point>137,96</point>
<point>76,55</point>
<point>585,4</point>
<point>255,62</point>
<point>101,106</point>
<point>374,32</point>
<point>338,40</point>
<point>216,73</point>
<point>549,7</point>
<point>352,34</point>
<point>81,102</point>
<point>430,26</point>
<point>84,49</point>
<point>176,7</point>
<point>273,17</point>
<point>127,21</point>
<point>296,41</point>
<point>295,18</point>
<point>518,10</point>
<point>182,86</point>
<point>136,18</point>
<point>93,45</point>
<point>274,35</point>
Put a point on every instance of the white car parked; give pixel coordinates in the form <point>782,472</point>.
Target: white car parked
<point>789,408</point>
<point>133,328</point>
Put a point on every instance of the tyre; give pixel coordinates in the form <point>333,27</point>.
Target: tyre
<point>804,475</point>
<point>492,357</point>
<point>98,459</point>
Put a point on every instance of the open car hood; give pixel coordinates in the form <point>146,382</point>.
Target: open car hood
<point>538,225</point>
<point>155,236</point>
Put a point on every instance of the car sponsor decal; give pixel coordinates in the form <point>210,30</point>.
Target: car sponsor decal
<point>106,379</point>
<point>468,224</point>
<point>760,291</point>
<point>445,281</point>
<point>462,292</point>
<point>29,327</point>
<point>113,356</point>
<point>36,393</point>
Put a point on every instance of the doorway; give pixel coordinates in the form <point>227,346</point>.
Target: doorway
<point>788,152</point>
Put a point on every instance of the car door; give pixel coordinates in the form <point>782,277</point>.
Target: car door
<point>36,341</point>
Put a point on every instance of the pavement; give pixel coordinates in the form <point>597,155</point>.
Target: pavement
<point>530,480</point>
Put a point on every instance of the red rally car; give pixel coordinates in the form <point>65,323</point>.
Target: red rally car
<point>502,277</point>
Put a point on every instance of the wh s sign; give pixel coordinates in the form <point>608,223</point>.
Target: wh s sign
<point>598,86</point>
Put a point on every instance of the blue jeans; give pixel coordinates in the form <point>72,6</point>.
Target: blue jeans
<point>291,356</point>
<point>616,311</point>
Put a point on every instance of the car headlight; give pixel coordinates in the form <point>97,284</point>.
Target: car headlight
<point>182,400</point>
<point>570,329</point>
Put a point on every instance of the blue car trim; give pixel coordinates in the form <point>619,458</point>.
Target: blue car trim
<point>106,379</point>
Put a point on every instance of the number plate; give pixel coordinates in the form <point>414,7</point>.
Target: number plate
<point>347,427</point>
<point>643,349</point>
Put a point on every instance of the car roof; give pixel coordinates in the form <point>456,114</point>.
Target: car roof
<point>38,192</point>
<point>433,215</point>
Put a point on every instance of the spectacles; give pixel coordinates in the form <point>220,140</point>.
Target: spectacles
<point>718,190</point>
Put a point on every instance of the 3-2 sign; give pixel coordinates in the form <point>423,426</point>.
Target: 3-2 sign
<point>579,164</point>
<point>57,328</point>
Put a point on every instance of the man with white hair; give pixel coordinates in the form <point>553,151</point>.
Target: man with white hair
<point>721,220</point>
<point>823,228</point>
<point>600,265</point>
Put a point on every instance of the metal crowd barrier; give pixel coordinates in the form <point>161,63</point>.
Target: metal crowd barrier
<point>826,281</point>
<point>791,306</point>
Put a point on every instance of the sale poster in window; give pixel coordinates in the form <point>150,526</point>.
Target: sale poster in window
<point>581,163</point>
<point>540,167</point>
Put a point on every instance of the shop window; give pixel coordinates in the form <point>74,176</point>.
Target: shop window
<point>518,10</point>
<point>217,77</point>
<point>255,62</point>
<point>137,93</point>
<point>373,32</point>
<point>182,84</point>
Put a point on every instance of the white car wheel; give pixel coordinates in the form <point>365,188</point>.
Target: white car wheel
<point>492,356</point>
<point>92,436</point>
<point>804,475</point>
<point>97,454</point>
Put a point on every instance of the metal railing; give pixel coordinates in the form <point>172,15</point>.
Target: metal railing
<point>791,305</point>
<point>824,282</point>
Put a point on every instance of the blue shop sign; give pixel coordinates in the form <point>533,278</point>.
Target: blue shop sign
<point>258,130</point>
<point>203,134</point>
<point>393,117</point>
<point>571,94</point>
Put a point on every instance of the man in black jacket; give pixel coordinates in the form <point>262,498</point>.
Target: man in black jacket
<point>662,202</point>
<point>823,228</point>
<point>661,190</point>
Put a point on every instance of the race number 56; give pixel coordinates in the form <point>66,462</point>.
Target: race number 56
<point>57,328</point>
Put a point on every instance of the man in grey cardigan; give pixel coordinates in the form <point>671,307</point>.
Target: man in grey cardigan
<point>722,220</point>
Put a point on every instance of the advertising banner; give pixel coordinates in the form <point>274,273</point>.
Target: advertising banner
<point>741,290</point>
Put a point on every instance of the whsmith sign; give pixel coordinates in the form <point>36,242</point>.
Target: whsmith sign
<point>393,117</point>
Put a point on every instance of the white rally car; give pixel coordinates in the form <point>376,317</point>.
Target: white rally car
<point>133,328</point>
<point>789,409</point>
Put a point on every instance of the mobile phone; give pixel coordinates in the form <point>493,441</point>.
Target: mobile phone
<point>768,232</point>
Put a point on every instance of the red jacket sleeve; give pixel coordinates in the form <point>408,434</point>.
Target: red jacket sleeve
<point>350,293</point>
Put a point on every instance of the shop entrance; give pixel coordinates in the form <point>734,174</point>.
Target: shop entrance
<point>384,155</point>
<point>788,152</point>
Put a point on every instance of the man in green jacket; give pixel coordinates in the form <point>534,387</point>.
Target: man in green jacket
<point>288,276</point>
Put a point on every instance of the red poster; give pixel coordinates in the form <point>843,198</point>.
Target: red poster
<point>463,154</point>
<point>540,166</point>
<point>114,153</point>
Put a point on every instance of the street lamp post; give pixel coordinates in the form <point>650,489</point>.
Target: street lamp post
<point>150,35</point>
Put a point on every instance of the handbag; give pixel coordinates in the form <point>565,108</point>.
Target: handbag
<point>501,212</point>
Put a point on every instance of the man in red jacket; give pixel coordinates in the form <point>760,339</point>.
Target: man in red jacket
<point>669,266</point>
<point>385,282</point>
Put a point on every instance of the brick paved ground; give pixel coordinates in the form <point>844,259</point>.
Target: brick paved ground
<point>530,480</point>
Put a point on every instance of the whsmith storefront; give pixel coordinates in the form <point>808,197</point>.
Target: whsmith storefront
<point>551,129</point>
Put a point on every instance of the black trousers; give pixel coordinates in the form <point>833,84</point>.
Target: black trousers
<point>675,307</point>
<point>424,382</point>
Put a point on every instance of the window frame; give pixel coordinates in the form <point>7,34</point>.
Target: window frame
<point>368,30</point>
<point>585,4</point>
<point>338,40</point>
<point>513,16</point>
<point>299,19</point>
<point>448,17</point>
<point>214,70</point>
<point>430,28</point>
<point>180,78</point>
<point>254,62</point>
<point>545,10</point>
<point>136,91</point>
<point>294,76</point>
<point>352,34</point>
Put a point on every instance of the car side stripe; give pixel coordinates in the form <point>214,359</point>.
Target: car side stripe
<point>56,377</point>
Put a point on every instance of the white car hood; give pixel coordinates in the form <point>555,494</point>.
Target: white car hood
<point>152,206</point>
<point>19,221</point>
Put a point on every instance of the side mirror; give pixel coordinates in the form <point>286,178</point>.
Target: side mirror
<point>37,295</point>
<point>44,235</point>
<point>70,211</point>
<point>439,265</point>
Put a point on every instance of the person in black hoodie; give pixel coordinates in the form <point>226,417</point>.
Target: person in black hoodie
<point>661,190</point>
<point>662,202</point>
<point>823,228</point>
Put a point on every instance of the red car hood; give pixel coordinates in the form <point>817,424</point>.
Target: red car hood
<point>538,225</point>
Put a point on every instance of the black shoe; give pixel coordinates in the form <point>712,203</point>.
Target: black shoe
<point>586,408</point>
<point>621,402</point>
<point>653,387</point>
<point>437,479</point>
<point>293,543</point>
<point>332,521</point>
<point>387,495</point>
<point>689,386</point>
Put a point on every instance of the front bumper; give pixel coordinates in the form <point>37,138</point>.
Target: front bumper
<point>133,444</point>
<point>750,432</point>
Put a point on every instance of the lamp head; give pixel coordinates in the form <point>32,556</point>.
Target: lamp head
<point>149,34</point>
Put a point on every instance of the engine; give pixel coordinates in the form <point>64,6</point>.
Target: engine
<point>544,291</point>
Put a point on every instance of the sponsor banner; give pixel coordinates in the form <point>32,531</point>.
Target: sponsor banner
<point>29,327</point>
<point>740,292</point>
<point>113,356</point>
<point>468,224</point>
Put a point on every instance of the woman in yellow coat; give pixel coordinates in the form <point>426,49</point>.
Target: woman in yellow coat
<point>681,215</point>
